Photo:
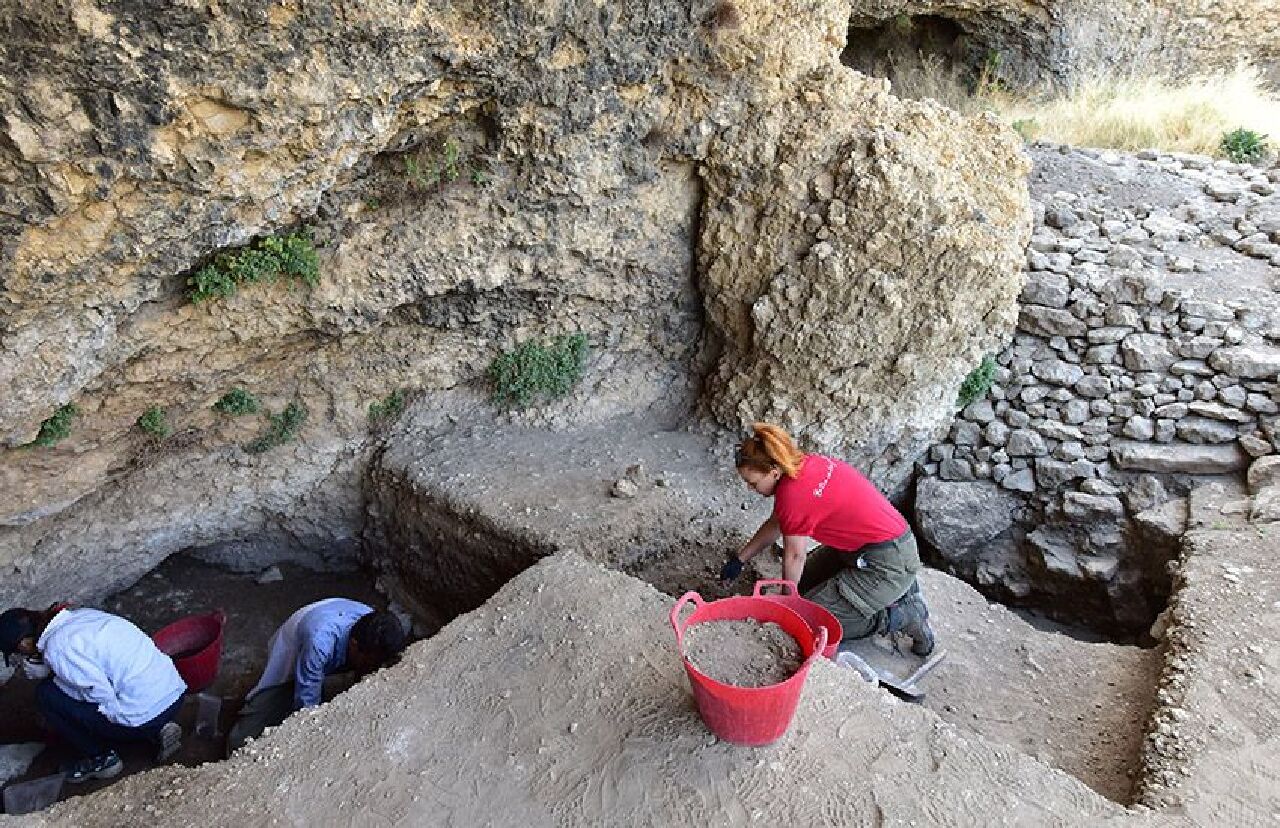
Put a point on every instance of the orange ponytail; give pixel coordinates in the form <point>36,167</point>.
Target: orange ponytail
<point>770,447</point>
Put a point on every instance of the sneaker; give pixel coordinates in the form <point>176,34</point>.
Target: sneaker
<point>94,767</point>
<point>170,740</point>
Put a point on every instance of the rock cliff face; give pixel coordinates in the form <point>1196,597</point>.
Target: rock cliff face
<point>687,186</point>
<point>1061,42</point>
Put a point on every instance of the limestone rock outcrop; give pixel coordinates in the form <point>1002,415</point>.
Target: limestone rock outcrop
<point>474,176</point>
<point>1033,42</point>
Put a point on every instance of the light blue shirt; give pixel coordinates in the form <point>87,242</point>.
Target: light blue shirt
<point>102,658</point>
<point>310,645</point>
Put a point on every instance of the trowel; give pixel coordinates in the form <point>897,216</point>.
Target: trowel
<point>906,689</point>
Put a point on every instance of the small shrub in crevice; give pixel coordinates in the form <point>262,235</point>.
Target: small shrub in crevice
<point>56,427</point>
<point>1244,146</point>
<point>237,402</point>
<point>388,408</point>
<point>154,422</point>
<point>281,428</point>
<point>292,255</point>
<point>533,371</point>
<point>427,171</point>
<point>976,385</point>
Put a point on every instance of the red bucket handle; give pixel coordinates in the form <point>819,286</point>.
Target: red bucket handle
<point>675,615</point>
<point>820,643</point>
<point>788,587</point>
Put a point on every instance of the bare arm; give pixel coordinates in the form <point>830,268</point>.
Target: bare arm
<point>764,536</point>
<point>794,550</point>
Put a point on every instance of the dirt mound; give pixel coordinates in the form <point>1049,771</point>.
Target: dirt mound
<point>562,701</point>
<point>742,653</point>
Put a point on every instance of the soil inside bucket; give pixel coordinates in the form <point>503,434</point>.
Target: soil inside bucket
<point>743,653</point>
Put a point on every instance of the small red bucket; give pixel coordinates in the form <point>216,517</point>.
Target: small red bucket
<point>751,716</point>
<point>816,614</point>
<point>195,645</point>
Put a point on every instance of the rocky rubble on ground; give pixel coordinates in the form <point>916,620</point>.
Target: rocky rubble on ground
<point>1146,358</point>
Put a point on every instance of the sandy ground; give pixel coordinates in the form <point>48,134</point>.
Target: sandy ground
<point>1081,707</point>
<point>1078,706</point>
<point>542,708</point>
<point>184,586</point>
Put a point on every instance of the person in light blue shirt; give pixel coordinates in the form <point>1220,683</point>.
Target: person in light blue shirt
<point>321,639</point>
<point>105,683</point>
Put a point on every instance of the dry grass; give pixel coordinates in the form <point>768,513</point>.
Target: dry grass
<point>1183,115</point>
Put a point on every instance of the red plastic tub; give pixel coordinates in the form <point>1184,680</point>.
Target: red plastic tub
<point>816,614</point>
<point>195,645</point>
<point>751,716</point>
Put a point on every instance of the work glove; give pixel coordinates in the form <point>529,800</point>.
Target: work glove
<point>35,670</point>
<point>731,569</point>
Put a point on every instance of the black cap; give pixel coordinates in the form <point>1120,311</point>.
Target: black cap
<point>15,625</point>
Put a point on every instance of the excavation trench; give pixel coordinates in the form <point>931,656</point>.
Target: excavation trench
<point>441,536</point>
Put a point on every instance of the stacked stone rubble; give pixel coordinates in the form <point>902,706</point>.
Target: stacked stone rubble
<point>1117,393</point>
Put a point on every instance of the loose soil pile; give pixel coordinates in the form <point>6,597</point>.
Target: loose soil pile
<point>743,653</point>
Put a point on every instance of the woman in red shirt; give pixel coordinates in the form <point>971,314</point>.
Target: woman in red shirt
<point>864,572</point>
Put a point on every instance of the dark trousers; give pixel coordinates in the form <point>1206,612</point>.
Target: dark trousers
<point>268,708</point>
<point>87,730</point>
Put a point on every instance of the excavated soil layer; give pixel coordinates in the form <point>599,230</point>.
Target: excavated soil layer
<point>1081,707</point>
<point>184,586</point>
<point>541,708</point>
<point>742,653</point>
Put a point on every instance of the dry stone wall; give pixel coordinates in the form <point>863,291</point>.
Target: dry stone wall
<point>1146,358</point>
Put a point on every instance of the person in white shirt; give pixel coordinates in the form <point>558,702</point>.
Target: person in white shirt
<point>320,639</point>
<point>105,683</point>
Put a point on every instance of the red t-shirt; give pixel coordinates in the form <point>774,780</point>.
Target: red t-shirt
<point>831,502</point>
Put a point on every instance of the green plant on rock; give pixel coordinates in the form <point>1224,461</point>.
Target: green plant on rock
<point>281,428</point>
<point>420,179</point>
<point>155,422</point>
<point>56,427</point>
<point>388,408</point>
<point>450,164</point>
<point>237,402</point>
<point>1026,128</point>
<point>532,371</point>
<point>292,255</point>
<point>976,385</point>
<point>1244,146</point>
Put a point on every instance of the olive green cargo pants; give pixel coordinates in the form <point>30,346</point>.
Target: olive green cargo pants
<point>855,587</point>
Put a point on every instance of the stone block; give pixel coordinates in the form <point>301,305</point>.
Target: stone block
<point>1146,352</point>
<point>1178,459</point>
<point>1202,430</point>
<point>1025,443</point>
<point>1139,428</point>
<point>996,433</point>
<point>1217,411</point>
<point>1084,508</point>
<point>1263,472</point>
<point>959,518</point>
<point>1052,474</point>
<point>1049,289</point>
<point>1057,372</point>
<point>1247,361</point>
<point>1093,387</point>
<point>1165,522</point>
<point>1021,480</point>
<point>1045,321</point>
<point>955,469</point>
